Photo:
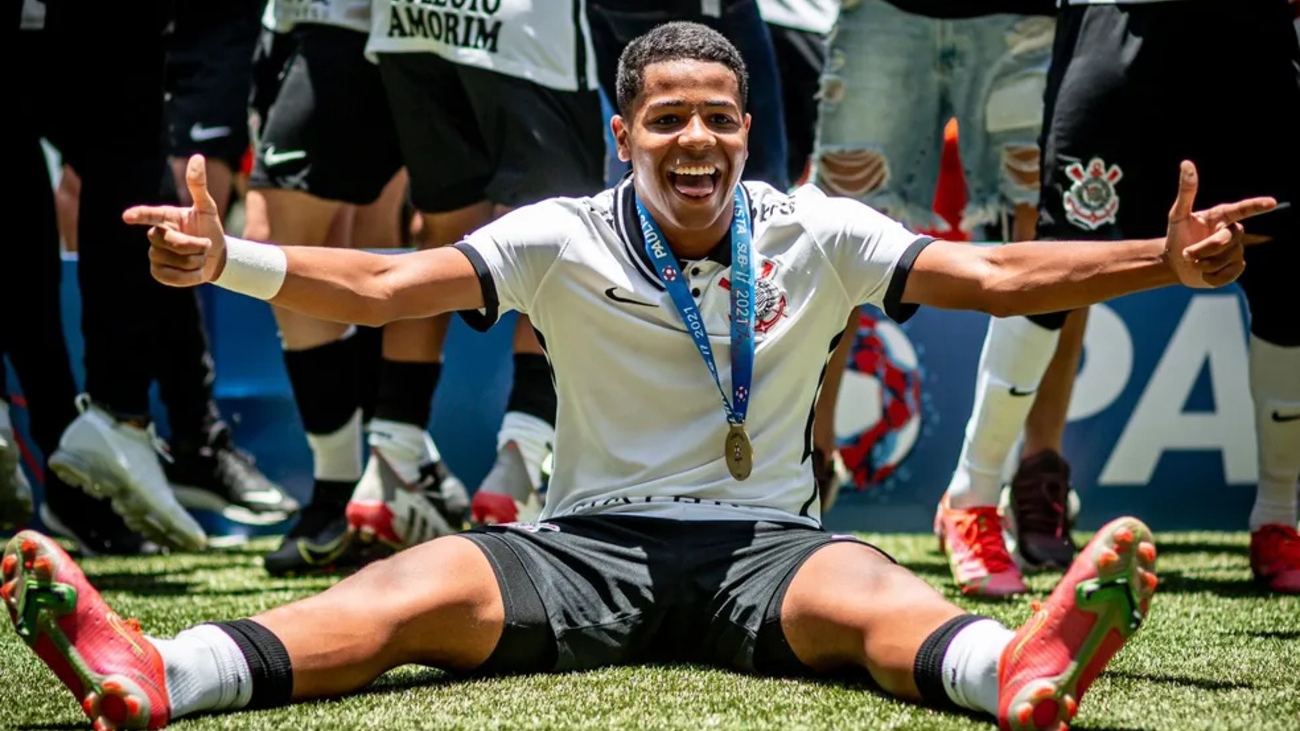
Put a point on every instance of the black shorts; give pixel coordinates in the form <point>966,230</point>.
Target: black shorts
<point>1128,98</point>
<point>591,591</point>
<point>209,74</point>
<point>328,132</point>
<point>469,135</point>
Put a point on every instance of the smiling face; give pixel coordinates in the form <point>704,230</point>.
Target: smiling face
<point>687,140</point>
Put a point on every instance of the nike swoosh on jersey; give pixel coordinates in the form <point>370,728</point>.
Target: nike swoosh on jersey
<point>612,293</point>
<point>199,133</point>
<point>1017,392</point>
<point>273,158</point>
<point>1280,418</point>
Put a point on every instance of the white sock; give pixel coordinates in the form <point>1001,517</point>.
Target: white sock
<point>337,456</point>
<point>1275,387</point>
<point>970,665</point>
<point>5,423</point>
<point>205,671</point>
<point>534,438</point>
<point>1015,356</point>
<point>407,446</point>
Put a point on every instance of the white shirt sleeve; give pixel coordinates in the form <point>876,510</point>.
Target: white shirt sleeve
<point>512,256</point>
<point>870,253</point>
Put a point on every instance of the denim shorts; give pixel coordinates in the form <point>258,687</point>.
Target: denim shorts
<point>895,79</point>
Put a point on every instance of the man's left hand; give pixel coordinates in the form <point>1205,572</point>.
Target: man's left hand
<point>1206,248</point>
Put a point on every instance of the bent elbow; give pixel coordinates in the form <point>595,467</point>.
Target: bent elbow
<point>999,303</point>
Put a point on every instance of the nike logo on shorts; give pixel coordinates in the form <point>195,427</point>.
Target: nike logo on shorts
<point>1280,418</point>
<point>613,294</point>
<point>199,133</point>
<point>272,157</point>
<point>1017,392</point>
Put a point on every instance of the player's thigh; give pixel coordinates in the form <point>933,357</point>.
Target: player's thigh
<point>997,96</point>
<point>439,138</point>
<point>850,604</point>
<point>327,136</point>
<point>545,142</point>
<point>578,593</point>
<point>880,131</point>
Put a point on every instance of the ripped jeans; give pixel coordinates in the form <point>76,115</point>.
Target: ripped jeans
<point>893,81</point>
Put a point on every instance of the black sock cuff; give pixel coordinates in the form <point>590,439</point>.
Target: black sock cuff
<point>268,662</point>
<point>326,384</point>
<point>532,391</point>
<point>406,391</point>
<point>928,669</point>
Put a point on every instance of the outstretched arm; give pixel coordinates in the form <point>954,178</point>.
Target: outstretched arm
<point>1201,249</point>
<point>188,247</point>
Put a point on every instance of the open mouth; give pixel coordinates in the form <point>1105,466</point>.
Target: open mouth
<point>698,180</point>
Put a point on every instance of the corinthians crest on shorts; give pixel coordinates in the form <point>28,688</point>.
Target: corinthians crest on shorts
<point>1091,202</point>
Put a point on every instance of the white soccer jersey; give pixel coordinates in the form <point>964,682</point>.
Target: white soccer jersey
<point>282,15</point>
<point>814,16</point>
<point>547,42</point>
<point>640,424</point>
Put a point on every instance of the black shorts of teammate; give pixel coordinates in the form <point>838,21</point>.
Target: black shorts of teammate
<point>209,73</point>
<point>270,63</point>
<point>1129,96</point>
<point>469,135</point>
<point>800,60</point>
<point>328,132</point>
<point>590,591</point>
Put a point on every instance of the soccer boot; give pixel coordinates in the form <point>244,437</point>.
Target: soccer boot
<point>319,543</point>
<point>977,553</point>
<point>507,494</point>
<point>1275,558</point>
<point>213,474</point>
<point>405,496</point>
<point>119,460</point>
<point>1039,508</point>
<point>113,670</point>
<point>1102,600</point>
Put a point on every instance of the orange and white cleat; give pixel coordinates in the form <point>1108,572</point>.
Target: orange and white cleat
<point>1053,658</point>
<point>1275,558</point>
<point>977,552</point>
<point>111,668</point>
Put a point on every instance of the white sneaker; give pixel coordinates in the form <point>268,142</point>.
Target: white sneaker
<point>406,496</point>
<point>15,490</point>
<point>114,459</point>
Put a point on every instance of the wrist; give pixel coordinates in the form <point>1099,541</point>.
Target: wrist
<point>251,268</point>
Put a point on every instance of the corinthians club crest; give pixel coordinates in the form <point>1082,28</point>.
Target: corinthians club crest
<point>769,300</point>
<point>1091,201</point>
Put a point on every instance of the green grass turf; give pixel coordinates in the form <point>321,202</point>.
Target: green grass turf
<point>1216,653</point>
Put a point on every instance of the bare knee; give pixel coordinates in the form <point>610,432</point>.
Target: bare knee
<point>849,605</point>
<point>855,173</point>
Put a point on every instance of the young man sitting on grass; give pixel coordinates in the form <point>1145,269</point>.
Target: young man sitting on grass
<point>679,526</point>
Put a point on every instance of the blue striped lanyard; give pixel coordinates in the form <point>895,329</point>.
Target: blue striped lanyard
<point>742,303</point>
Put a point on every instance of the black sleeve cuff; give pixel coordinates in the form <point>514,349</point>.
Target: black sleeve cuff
<point>484,320</point>
<point>894,306</point>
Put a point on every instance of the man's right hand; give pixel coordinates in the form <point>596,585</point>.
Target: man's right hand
<point>187,246</point>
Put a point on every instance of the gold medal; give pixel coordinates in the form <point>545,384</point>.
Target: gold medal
<point>738,452</point>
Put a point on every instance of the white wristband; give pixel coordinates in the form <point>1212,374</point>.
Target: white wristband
<point>254,269</point>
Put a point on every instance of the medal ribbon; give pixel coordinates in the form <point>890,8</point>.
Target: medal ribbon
<point>742,303</point>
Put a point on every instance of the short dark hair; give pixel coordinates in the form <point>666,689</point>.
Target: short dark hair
<point>676,41</point>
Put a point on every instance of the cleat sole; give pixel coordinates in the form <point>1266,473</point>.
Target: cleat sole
<point>1119,598</point>
<point>35,603</point>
